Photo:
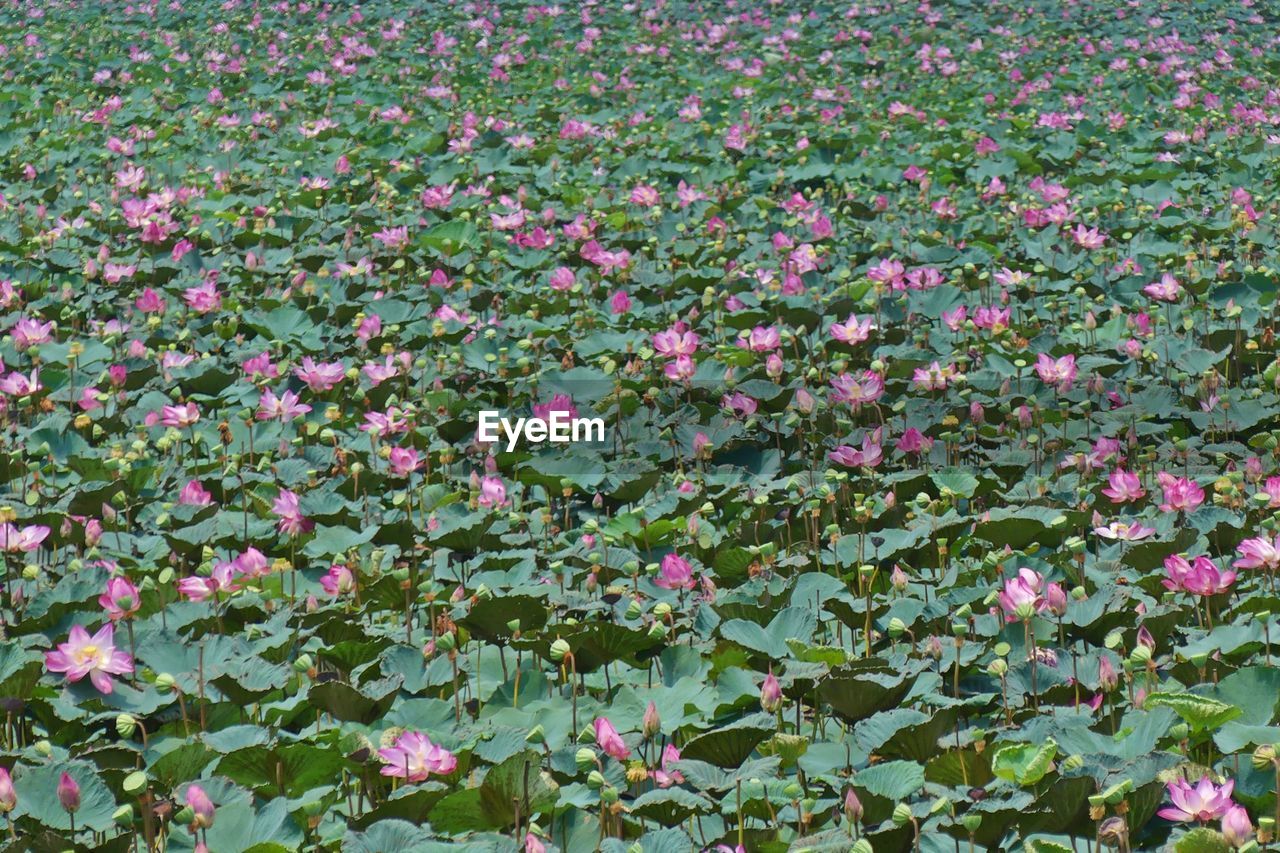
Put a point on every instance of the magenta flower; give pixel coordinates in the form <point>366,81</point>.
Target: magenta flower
<point>1180,494</point>
<point>8,796</point>
<point>404,461</point>
<point>283,408</point>
<point>869,455</point>
<point>338,580</point>
<point>1021,597</point>
<point>608,739</point>
<point>69,791</point>
<point>493,493</point>
<point>675,573</point>
<point>1059,372</point>
<point>1167,289</point>
<point>201,807</point>
<point>292,522</point>
<point>665,775</point>
<point>761,339</point>
<point>857,392</point>
<point>935,377</point>
<point>122,599</point>
<point>180,416</point>
<point>675,341</point>
<point>1203,802</point>
<point>96,657</point>
<point>559,403</point>
<point>221,580</point>
<point>1123,486</point>
<point>320,376</point>
<point>414,758</point>
<point>852,331</point>
<point>194,494</point>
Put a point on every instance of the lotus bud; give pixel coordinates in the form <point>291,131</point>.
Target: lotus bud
<point>770,693</point>
<point>69,793</point>
<point>8,796</point>
<point>1113,832</point>
<point>852,806</point>
<point>652,723</point>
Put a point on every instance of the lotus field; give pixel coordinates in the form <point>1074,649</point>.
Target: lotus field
<point>933,498</point>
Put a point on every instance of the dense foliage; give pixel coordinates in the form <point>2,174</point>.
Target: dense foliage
<point>938,502</point>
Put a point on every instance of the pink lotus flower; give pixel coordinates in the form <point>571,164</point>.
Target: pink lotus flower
<point>414,758</point>
<point>1123,487</point>
<point>222,579</point>
<point>121,600</point>
<point>404,461</point>
<point>283,408</point>
<point>96,657</point>
<point>934,377</point>
<point>28,333</point>
<point>320,376</point>
<point>675,342</point>
<point>201,806</point>
<point>675,573</point>
<point>194,494</point>
<point>292,522</point>
<point>857,392</point>
<point>1060,372</point>
<point>8,796</point>
<point>1125,531</point>
<point>1167,289</point>
<point>19,385</point>
<point>1180,494</point>
<point>1088,238</point>
<point>493,493</point>
<point>24,540</point>
<point>559,403</point>
<point>665,775</point>
<point>1021,599</point>
<point>868,456</point>
<point>1271,489</point>
<point>1237,827</point>
<point>608,739</point>
<point>770,693</point>
<point>852,331</point>
<point>761,339</point>
<point>204,297</point>
<point>69,790</point>
<point>1258,553</point>
<point>180,416</point>
<point>1203,803</point>
<point>338,580</point>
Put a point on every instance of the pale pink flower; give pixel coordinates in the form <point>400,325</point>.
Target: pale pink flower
<point>414,757</point>
<point>96,657</point>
